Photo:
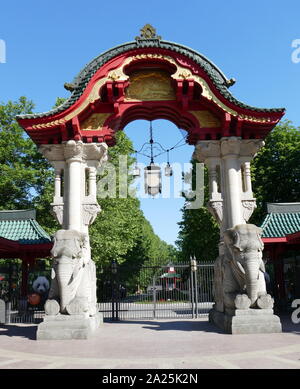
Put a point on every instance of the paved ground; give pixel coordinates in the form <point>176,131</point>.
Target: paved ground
<point>151,344</point>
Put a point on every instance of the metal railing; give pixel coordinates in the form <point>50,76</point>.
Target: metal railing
<point>176,291</point>
<point>18,311</point>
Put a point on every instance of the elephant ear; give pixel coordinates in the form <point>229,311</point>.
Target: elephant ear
<point>77,245</point>
<point>259,234</point>
<point>53,251</point>
<point>232,238</point>
<point>262,266</point>
<point>84,241</point>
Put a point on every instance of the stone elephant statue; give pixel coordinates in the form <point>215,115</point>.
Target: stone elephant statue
<point>73,275</point>
<point>239,271</point>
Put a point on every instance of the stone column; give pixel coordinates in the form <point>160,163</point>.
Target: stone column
<point>249,149</point>
<point>57,183</point>
<point>247,177</point>
<point>75,210</point>
<point>72,294</point>
<point>228,202</point>
<point>242,304</point>
<point>72,197</point>
<point>230,149</point>
<point>92,181</point>
<point>209,153</point>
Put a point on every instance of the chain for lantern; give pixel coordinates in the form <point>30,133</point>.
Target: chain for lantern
<point>152,172</point>
<point>151,143</point>
<point>168,168</point>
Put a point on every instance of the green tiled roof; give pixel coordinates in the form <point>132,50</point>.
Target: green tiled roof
<point>281,222</point>
<point>21,226</point>
<point>81,81</point>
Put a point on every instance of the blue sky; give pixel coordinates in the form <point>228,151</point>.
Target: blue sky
<point>48,43</point>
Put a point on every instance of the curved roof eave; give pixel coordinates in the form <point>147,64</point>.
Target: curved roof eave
<point>82,79</point>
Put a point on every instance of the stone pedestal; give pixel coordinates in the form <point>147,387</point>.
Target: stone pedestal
<point>62,327</point>
<point>247,321</point>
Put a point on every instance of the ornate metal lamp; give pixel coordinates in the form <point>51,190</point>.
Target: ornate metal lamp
<point>136,170</point>
<point>168,168</point>
<point>152,172</point>
<point>152,175</point>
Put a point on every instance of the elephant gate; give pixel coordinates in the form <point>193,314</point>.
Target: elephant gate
<point>150,78</point>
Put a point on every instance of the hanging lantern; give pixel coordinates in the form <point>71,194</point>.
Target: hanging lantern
<point>152,175</point>
<point>136,171</point>
<point>168,170</point>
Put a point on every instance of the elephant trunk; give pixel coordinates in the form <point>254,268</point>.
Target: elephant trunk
<point>252,273</point>
<point>64,273</point>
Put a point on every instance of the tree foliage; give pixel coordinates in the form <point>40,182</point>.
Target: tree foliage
<point>198,231</point>
<point>276,169</point>
<point>24,172</point>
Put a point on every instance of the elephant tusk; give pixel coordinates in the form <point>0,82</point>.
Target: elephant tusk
<point>240,267</point>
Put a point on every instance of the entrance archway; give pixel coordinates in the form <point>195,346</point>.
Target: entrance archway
<point>154,79</point>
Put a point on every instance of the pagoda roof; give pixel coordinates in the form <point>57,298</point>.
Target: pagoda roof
<point>282,219</point>
<point>20,226</point>
<point>221,82</point>
<point>113,90</point>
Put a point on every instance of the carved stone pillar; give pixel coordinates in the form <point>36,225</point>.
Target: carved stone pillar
<point>230,150</point>
<point>73,286</point>
<point>73,152</point>
<point>57,183</point>
<point>242,304</point>
<point>231,202</point>
<point>249,149</point>
<point>75,209</point>
<point>209,153</point>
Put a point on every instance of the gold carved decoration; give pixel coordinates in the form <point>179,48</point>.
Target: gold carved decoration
<point>95,121</point>
<point>184,74</point>
<point>50,124</point>
<point>148,32</point>
<point>150,85</point>
<point>206,119</point>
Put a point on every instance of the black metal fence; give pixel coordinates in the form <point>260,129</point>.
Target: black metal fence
<point>20,311</point>
<point>156,291</point>
<point>151,291</point>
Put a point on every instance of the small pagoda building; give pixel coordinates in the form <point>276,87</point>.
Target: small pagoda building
<point>21,237</point>
<point>281,237</point>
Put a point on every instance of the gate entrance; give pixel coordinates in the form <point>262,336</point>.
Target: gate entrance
<point>173,291</point>
<point>150,79</point>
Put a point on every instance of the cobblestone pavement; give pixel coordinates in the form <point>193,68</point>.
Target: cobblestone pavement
<point>163,344</point>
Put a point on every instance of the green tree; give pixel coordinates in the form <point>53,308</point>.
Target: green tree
<point>24,172</point>
<point>149,251</point>
<point>114,231</point>
<point>198,231</point>
<point>276,169</point>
